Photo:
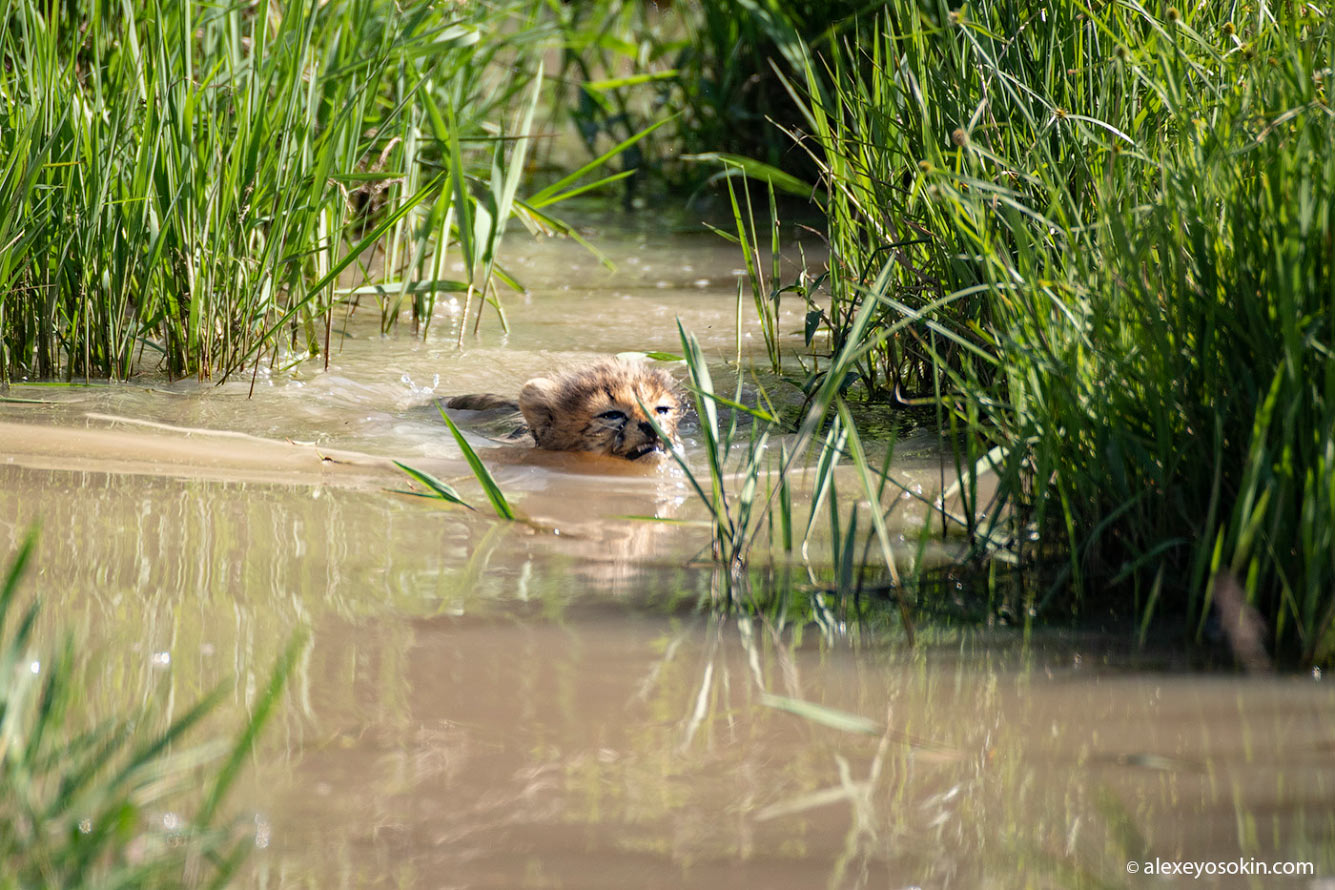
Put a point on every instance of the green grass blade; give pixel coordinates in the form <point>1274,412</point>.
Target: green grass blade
<point>737,165</point>
<point>870,489</point>
<point>489,486</point>
<point>439,490</point>
<point>259,715</point>
<point>547,195</point>
<point>17,566</point>
<point>823,715</point>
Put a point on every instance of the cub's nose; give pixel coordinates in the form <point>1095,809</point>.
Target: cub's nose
<point>648,429</point>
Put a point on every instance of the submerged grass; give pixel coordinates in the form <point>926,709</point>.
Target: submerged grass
<point>749,494</point>
<point>87,807</point>
<point>1100,241</point>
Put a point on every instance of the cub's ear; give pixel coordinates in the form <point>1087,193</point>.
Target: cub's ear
<point>537,401</point>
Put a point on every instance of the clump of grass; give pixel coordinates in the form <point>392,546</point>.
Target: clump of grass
<point>192,188</point>
<point>1104,242</point>
<point>735,515</point>
<point>102,806</point>
<point>750,496</point>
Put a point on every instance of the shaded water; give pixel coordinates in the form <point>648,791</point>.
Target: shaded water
<point>489,705</point>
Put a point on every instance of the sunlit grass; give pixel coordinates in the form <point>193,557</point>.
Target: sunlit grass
<point>1099,241</point>
<point>753,467</point>
<point>195,189</point>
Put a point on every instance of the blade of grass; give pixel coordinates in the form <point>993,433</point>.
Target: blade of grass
<point>489,486</point>
<point>438,489</point>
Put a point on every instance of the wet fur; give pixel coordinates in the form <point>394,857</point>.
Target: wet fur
<point>594,409</point>
<point>483,402</point>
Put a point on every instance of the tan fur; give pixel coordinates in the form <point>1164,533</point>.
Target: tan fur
<point>597,409</point>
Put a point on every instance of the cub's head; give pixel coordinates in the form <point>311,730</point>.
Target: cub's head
<point>597,408</point>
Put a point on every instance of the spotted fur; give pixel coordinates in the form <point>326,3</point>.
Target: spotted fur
<point>598,409</point>
<point>595,408</point>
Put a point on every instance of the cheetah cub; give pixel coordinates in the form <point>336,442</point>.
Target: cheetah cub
<point>596,408</point>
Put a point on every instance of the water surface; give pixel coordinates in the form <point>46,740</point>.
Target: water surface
<point>486,704</point>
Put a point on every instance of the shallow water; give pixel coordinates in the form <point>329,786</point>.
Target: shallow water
<point>482,704</point>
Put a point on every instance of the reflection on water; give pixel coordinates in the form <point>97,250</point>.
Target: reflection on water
<point>480,706</point>
<point>609,749</point>
<point>504,705</point>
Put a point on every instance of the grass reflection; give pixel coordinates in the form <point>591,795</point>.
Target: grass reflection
<point>504,707</point>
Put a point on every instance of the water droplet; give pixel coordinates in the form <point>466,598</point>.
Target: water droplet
<point>263,832</point>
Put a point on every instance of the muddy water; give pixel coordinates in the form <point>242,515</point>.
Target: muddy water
<point>501,705</point>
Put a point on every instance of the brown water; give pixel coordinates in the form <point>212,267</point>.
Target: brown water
<point>483,704</point>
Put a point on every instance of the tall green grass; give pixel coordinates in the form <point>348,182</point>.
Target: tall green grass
<point>118,803</point>
<point>1104,237</point>
<point>195,188</point>
<point>752,457</point>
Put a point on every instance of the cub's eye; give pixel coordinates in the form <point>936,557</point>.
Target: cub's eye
<point>613,415</point>
<point>664,409</point>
